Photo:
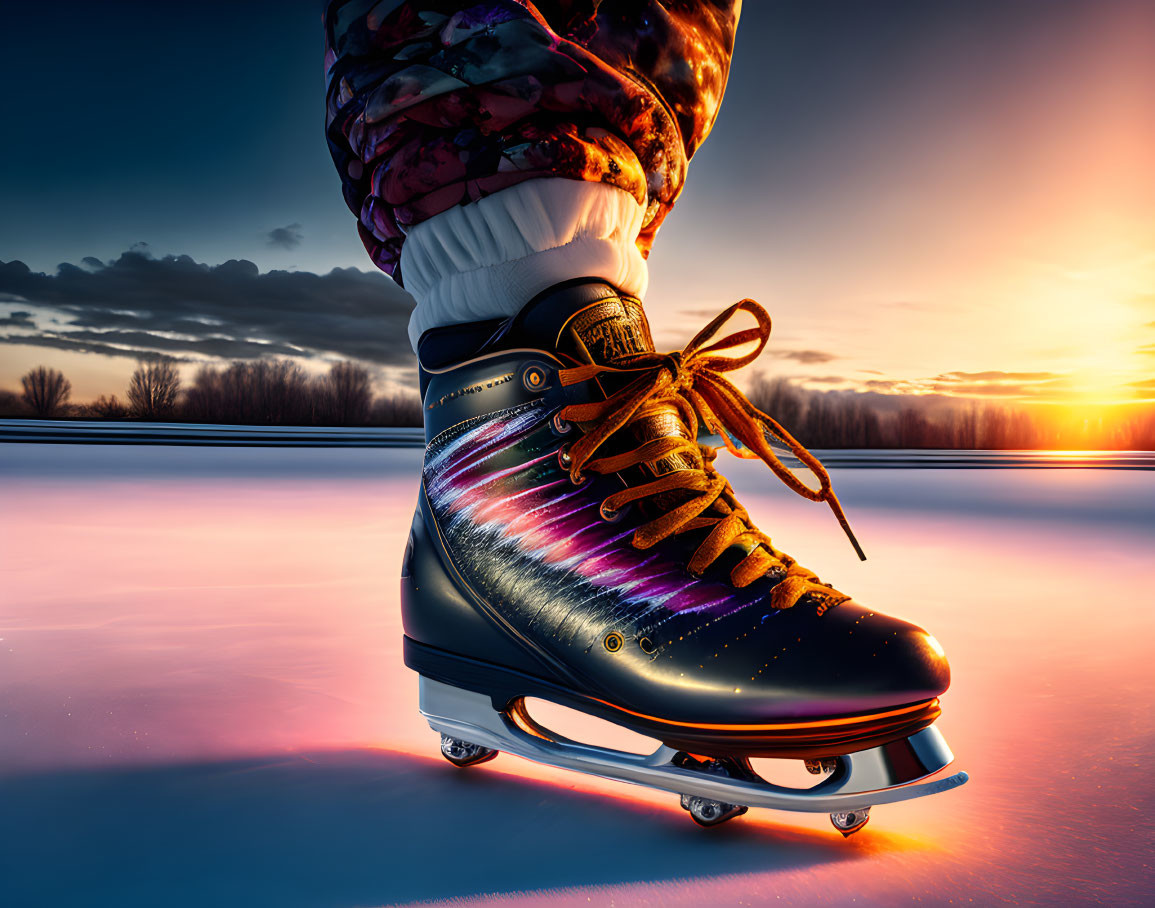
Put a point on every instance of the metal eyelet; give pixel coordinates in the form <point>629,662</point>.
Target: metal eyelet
<point>566,463</point>
<point>613,642</point>
<point>561,426</point>
<point>533,378</point>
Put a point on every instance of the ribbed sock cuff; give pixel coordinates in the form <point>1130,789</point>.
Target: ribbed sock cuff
<point>489,258</point>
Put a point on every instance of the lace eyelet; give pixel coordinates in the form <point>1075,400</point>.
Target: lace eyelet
<point>565,461</point>
<point>561,426</point>
<point>613,642</point>
<point>533,378</point>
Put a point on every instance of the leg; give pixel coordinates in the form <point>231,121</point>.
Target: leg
<point>436,105</point>
<point>573,541</point>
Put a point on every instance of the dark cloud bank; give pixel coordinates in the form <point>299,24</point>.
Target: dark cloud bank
<point>175,307</point>
<point>288,237</point>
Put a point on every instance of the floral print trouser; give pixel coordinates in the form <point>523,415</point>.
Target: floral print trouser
<point>436,103</point>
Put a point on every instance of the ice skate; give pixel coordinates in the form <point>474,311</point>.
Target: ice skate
<point>574,542</point>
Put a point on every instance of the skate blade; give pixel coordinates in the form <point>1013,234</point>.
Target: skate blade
<point>881,775</point>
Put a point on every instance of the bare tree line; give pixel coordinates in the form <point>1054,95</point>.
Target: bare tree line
<point>262,392</point>
<point>280,392</point>
<point>843,419</point>
<point>45,390</point>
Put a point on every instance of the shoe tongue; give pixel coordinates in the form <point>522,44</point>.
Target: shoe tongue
<point>611,333</point>
<point>608,332</point>
<point>587,322</point>
<point>592,323</point>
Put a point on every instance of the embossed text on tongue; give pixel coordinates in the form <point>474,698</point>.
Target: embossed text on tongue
<point>609,333</point>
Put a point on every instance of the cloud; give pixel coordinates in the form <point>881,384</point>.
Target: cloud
<point>17,320</point>
<point>998,377</point>
<point>1147,350</point>
<point>995,383</point>
<point>288,237</point>
<point>175,307</point>
<point>979,389</point>
<point>137,343</point>
<point>55,342</point>
<point>806,357</point>
<point>1037,385</point>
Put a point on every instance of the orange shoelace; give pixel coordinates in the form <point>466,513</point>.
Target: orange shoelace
<point>692,382</point>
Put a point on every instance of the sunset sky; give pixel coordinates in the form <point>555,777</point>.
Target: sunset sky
<point>951,198</point>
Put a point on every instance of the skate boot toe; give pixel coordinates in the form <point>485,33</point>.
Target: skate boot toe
<point>862,660</point>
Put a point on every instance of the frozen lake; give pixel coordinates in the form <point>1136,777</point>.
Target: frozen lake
<point>202,699</point>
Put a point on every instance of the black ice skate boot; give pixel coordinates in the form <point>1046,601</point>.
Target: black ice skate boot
<point>574,542</point>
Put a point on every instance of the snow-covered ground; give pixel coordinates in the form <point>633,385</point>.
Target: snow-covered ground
<point>202,699</point>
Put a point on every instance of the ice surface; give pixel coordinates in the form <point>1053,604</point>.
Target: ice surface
<point>202,699</point>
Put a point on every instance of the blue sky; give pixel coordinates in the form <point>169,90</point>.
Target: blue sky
<point>916,190</point>
<point>195,128</point>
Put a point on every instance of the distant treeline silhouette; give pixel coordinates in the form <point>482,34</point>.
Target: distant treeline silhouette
<point>847,419</point>
<point>262,392</point>
<point>280,392</point>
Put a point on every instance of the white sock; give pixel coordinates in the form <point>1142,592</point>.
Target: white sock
<point>489,258</point>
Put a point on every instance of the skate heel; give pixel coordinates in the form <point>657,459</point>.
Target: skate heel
<point>881,775</point>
